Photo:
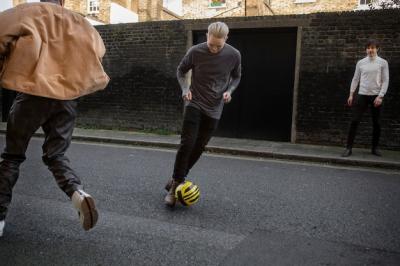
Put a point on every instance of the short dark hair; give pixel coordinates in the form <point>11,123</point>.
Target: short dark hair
<point>371,42</point>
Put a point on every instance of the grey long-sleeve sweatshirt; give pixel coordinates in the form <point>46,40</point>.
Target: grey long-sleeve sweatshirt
<point>212,75</point>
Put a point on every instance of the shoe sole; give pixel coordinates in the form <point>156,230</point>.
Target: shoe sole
<point>88,214</point>
<point>170,205</point>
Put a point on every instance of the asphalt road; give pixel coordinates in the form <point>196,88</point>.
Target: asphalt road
<point>251,212</point>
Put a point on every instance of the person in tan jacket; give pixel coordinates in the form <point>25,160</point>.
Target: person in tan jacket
<point>50,56</point>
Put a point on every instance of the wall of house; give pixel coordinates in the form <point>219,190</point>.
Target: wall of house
<point>143,93</point>
<point>152,10</point>
<point>200,9</point>
<point>82,7</point>
<point>142,59</point>
<point>285,7</point>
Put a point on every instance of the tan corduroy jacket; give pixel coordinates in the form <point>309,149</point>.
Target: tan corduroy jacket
<point>49,51</point>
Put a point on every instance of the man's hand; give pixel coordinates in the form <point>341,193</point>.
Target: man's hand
<point>350,100</point>
<point>378,101</point>
<point>188,96</point>
<point>227,97</point>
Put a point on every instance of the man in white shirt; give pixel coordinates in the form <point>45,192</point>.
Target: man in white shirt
<point>372,76</point>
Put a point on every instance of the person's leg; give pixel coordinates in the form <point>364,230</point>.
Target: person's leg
<point>190,127</point>
<point>360,105</point>
<point>24,119</point>
<point>58,134</point>
<point>7,101</point>
<point>208,126</point>
<point>376,132</point>
<point>189,135</point>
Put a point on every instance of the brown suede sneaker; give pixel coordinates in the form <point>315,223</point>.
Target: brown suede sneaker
<point>170,198</point>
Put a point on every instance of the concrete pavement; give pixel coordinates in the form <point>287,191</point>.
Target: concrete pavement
<point>245,147</point>
<point>251,212</point>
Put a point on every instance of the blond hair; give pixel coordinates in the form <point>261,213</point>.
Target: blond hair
<point>218,29</point>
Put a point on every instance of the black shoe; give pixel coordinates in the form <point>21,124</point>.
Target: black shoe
<point>346,153</point>
<point>376,152</point>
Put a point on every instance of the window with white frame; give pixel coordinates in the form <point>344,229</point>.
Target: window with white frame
<point>174,6</point>
<point>365,2</point>
<point>93,6</point>
<point>303,1</point>
<point>216,3</point>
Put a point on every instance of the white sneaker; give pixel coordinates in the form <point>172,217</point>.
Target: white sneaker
<point>2,224</point>
<point>86,208</point>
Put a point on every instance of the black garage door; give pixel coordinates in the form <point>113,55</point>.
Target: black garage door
<point>262,105</point>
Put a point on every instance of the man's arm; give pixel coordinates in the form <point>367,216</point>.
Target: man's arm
<point>385,80</point>
<point>234,81</point>
<point>236,75</point>
<point>354,84</point>
<point>9,31</point>
<point>10,28</point>
<point>385,83</point>
<point>356,79</point>
<point>184,66</point>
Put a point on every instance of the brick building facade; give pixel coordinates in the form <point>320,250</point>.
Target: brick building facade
<point>286,7</point>
<point>143,93</point>
<point>152,10</point>
<point>141,60</point>
<point>100,12</point>
<point>193,9</point>
<point>200,9</point>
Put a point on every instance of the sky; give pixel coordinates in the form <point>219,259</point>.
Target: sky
<point>5,4</point>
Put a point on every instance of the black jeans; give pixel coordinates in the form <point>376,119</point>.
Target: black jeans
<point>197,130</point>
<point>57,119</point>
<point>361,105</point>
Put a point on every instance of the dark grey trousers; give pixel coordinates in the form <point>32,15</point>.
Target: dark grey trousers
<point>361,105</point>
<point>197,130</point>
<point>57,119</point>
